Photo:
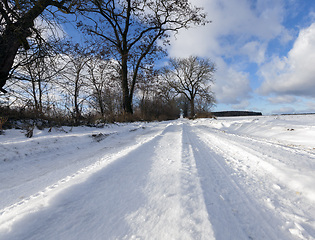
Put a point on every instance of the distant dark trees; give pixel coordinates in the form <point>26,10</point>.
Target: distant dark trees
<point>236,113</point>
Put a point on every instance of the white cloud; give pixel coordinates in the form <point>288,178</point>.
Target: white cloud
<point>311,105</point>
<point>242,105</point>
<point>284,110</point>
<point>49,29</point>
<point>234,24</point>
<point>282,99</point>
<point>238,28</point>
<point>255,51</point>
<point>231,86</point>
<point>294,74</point>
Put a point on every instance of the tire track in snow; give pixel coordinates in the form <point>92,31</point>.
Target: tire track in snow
<point>160,218</point>
<point>151,202</point>
<point>269,179</point>
<point>192,198</point>
<point>59,156</point>
<point>232,213</point>
<point>174,209</point>
<point>272,159</point>
<point>41,199</point>
<point>296,149</point>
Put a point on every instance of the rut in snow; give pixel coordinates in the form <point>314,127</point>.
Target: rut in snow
<point>173,180</point>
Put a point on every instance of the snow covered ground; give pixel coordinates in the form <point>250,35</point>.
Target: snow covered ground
<point>230,178</point>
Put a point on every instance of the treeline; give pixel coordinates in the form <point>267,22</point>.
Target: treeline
<point>81,88</point>
<point>236,113</point>
<point>110,76</point>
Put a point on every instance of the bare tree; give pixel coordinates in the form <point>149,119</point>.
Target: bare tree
<point>191,77</point>
<point>73,81</point>
<point>156,100</point>
<point>132,28</point>
<point>104,84</point>
<point>33,75</point>
<point>17,24</point>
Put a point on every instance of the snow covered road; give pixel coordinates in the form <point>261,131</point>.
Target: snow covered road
<point>203,179</point>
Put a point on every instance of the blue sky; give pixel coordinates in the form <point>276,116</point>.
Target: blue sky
<point>264,51</point>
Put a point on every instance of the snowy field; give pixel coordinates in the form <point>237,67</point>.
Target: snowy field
<point>230,178</point>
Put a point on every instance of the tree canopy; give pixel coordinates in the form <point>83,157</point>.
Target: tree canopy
<point>17,24</point>
<point>131,28</point>
<point>191,77</point>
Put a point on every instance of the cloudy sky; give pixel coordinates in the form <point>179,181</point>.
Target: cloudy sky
<point>264,51</point>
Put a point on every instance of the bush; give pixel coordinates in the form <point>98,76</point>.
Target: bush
<point>24,118</point>
<point>205,115</point>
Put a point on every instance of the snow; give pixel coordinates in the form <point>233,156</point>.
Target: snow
<point>230,178</point>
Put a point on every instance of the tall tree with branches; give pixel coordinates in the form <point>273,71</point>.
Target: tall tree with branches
<point>133,27</point>
<point>191,77</point>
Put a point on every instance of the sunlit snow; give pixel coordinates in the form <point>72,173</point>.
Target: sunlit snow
<point>226,178</point>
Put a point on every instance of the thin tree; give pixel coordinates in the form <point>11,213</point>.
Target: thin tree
<point>132,29</point>
<point>104,84</point>
<point>191,77</point>
<point>74,82</point>
<point>33,75</point>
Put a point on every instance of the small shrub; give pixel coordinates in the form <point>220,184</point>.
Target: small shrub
<point>3,120</point>
<point>128,117</point>
<point>100,136</point>
<point>29,132</point>
<point>205,115</point>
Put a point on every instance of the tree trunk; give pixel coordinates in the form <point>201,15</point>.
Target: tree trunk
<point>15,35</point>
<point>127,99</point>
<point>40,97</point>
<point>192,108</point>
<point>100,103</point>
<point>9,45</point>
<point>77,112</point>
<point>34,95</point>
